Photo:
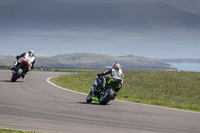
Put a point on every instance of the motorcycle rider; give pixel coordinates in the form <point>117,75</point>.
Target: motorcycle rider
<point>115,79</point>
<point>27,55</point>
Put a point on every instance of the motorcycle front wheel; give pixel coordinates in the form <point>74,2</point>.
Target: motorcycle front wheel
<point>89,97</point>
<point>17,74</point>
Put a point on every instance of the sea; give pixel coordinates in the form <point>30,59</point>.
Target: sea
<point>193,67</point>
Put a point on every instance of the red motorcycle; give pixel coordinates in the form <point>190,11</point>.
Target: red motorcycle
<point>21,69</point>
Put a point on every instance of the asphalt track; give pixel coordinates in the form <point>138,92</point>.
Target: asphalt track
<point>35,105</point>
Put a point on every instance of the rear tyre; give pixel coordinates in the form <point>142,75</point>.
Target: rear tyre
<point>107,96</point>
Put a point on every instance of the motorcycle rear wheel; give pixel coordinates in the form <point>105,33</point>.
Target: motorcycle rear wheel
<point>105,98</point>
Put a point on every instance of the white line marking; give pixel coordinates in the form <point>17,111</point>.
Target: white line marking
<point>48,80</point>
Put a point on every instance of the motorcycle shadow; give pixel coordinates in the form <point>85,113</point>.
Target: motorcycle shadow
<point>92,103</point>
<point>9,81</point>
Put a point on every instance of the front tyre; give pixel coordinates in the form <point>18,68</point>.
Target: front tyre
<point>89,97</point>
<point>13,79</point>
<point>17,74</point>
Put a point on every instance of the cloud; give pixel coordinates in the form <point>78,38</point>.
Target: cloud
<point>8,2</point>
<point>104,1</point>
<point>191,6</point>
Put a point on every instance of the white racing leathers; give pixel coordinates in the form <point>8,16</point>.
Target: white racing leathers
<point>28,59</point>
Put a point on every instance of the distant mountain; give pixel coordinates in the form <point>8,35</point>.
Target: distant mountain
<point>7,60</point>
<point>88,60</point>
<point>180,60</point>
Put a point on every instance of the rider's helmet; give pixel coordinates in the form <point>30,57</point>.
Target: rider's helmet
<point>116,65</point>
<point>31,53</point>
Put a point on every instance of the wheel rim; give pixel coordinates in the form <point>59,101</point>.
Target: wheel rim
<point>104,95</point>
<point>89,96</point>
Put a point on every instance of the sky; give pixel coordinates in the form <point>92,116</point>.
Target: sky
<point>165,29</point>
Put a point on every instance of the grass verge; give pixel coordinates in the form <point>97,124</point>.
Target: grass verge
<point>15,131</point>
<point>180,90</point>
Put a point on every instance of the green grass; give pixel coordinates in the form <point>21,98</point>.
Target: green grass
<point>179,90</point>
<point>14,131</point>
<point>75,70</point>
<point>58,69</point>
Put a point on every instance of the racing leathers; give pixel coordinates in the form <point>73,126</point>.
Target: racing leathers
<point>26,55</point>
<point>29,59</point>
<point>115,79</point>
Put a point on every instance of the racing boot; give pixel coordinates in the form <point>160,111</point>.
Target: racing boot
<point>95,94</point>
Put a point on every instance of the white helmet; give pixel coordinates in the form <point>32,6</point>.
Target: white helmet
<point>31,53</point>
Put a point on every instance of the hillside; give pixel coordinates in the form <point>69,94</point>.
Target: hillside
<point>180,60</point>
<point>88,60</point>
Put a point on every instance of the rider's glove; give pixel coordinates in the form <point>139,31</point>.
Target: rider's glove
<point>17,57</point>
<point>98,74</point>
